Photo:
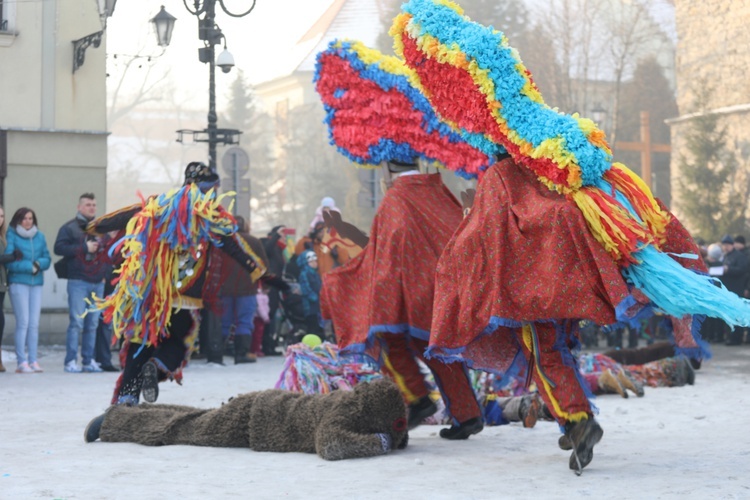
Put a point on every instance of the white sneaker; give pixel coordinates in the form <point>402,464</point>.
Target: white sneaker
<point>24,368</point>
<point>92,367</point>
<point>72,367</point>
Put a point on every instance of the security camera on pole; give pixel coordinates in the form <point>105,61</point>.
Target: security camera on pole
<point>210,33</point>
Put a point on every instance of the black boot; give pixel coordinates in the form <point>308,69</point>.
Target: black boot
<point>463,430</point>
<point>242,348</point>
<point>583,436</point>
<point>150,381</point>
<point>91,433</point>
<point>420,410</point>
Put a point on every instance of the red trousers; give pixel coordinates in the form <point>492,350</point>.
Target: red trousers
<point>558,383</point>
<point>401,365</point>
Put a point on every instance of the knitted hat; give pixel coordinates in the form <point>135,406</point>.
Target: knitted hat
<point>739,239</point>
<point>727,239</point>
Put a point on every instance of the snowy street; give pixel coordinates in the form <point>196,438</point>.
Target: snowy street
<point>688,442</point>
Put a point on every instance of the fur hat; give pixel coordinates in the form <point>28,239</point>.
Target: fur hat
<point>197,172</point>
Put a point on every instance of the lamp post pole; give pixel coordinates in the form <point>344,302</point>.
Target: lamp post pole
<point>212,119</point>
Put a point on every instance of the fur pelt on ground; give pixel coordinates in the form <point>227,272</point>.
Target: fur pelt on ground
<point>367,421</point>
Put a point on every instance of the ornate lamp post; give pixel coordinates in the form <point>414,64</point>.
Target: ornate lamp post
<point>210,33</point>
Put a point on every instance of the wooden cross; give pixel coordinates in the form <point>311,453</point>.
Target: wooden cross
<point>645,147</point>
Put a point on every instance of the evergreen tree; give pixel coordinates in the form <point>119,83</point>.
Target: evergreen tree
<point>712,201</point>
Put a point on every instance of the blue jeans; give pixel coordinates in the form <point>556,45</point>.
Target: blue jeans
<point>27,306</point>
<point>238,311</point>
<point>78,291</point>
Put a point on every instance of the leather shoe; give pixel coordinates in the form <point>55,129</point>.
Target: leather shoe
<point>463,430</point>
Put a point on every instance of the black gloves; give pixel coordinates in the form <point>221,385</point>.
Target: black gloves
<point>17,254</point>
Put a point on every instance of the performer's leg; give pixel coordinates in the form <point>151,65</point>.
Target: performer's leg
<point>128,387</point>
<point>561,390</point>
<point>157,425</point>
<point>400,364</point>
<point>171,351</point>
<point>453,381</point>
<point>557,382</point>
<point>642,355</point>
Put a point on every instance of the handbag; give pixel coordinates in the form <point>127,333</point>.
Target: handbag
<point>61,268</point>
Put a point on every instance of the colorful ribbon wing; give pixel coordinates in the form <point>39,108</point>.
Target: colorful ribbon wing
<point>375,114</point>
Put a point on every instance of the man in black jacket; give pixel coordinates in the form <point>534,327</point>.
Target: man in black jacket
<point>734,278</point>
<point>86,265</point>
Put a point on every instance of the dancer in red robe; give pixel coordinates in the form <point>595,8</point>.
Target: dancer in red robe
<point>515,279</point>
<point>381,302</point>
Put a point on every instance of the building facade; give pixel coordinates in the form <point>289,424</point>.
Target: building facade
<point>713,47</point>
<point>53,122</point>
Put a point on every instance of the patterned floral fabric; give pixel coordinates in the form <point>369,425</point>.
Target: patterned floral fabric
<point>389,287</point>
<point>524,254</point>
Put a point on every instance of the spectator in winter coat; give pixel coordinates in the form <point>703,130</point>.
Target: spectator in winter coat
<point>714,329</point>
<point>734,278</point>
<point>274,246</point>
<point>87,265</point>
<point>25,278</point>
<point>238,298</point>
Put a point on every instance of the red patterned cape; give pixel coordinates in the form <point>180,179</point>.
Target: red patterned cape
<point>389,287</point>
<point>524,254</point>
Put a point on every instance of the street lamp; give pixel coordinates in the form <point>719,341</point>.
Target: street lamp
<point>164,24</point>
<point>210,33</point>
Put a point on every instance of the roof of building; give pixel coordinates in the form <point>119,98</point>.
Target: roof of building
<point>355,19</point>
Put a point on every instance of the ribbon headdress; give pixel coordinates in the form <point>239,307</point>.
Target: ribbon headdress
<point>477,83</point>
<point>375,114</point>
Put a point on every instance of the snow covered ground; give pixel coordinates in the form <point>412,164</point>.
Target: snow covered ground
<point>689,442</point>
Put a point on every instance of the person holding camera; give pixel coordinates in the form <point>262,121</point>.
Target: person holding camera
<point>25,279</point>
<point>85,265</point>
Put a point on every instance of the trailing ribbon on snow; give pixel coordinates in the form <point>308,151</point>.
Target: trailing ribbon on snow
<point>375,114</point>
<point>477,82</point>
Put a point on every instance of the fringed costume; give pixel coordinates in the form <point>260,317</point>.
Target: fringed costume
<point>166,271</point>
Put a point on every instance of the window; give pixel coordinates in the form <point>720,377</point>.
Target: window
<point>7,22</point>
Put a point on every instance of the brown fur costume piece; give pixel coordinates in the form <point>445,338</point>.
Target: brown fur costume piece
<point>338,425</point>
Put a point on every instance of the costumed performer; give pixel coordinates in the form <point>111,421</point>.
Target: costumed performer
<point>166,272</point>
<point>558,232</point>
<point>381,301</point>
<point>365,422</point>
